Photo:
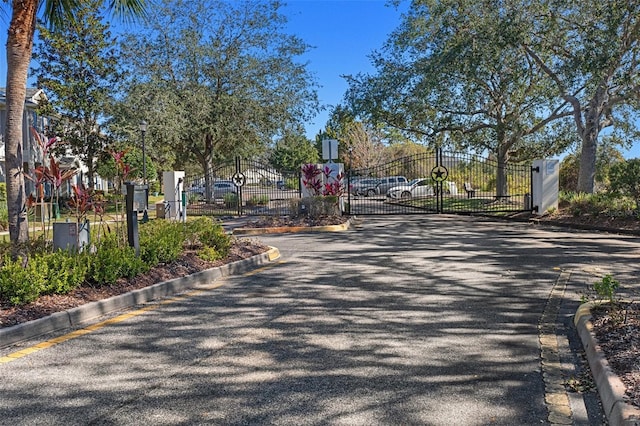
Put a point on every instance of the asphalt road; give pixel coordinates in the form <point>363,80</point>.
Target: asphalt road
<point>399,321</point>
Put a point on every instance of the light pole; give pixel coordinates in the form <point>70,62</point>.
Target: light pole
<point>145,214</point>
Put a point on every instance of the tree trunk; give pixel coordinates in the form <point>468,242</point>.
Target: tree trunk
<point>502,186</point>
<point>587,173</point>
<point>19,47</point>
<point>90,175</point>
<point>589,134</point>
<point>206,160</point>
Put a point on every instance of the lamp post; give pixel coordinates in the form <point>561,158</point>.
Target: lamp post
<point>145,214</point>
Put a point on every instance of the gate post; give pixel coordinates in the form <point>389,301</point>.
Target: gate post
<point>439,186</point>
<point>545,185</point>
<point>173,188</point>
<point>239,180</point>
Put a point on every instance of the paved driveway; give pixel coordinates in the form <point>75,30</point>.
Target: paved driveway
<point>400,321</point>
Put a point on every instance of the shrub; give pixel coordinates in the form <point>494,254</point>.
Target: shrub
<point>258,200</point>
<point>44,273</point>
<point>59,272</point>
<point>4,216</point>
<point>230,200</point>
<point>66,271</point>
<point>606,288</point>
<point>111,262</point>
<point>216,238</point>
<point>154,186</point>
<point>607,204</point>
<point>209,254</point>
<point>22,281</point>
<point>579,203</point>
<point>623,178</point>
<point>291,182</point>
<point>569,168</point>
<point>208,233</point>
<point>4,212</point>
<point>193,228</point>
<point>193,197</point>
<point>160,241</point>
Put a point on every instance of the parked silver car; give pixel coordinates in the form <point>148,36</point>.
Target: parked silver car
<point>223,187</point>
<point>388,182</point>
<point>368,187</point>
<point>220,189</point>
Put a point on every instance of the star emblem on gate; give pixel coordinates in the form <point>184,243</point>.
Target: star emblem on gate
<point>239,179</point>
<point>439,173</point>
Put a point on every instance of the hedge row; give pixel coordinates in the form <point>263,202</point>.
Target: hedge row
<point>44,271</point>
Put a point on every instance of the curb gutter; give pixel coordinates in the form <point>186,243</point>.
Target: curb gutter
<point>610,387</point>
<point>93,310</point>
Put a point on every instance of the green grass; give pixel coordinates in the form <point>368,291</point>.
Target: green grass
<point>462,204</point>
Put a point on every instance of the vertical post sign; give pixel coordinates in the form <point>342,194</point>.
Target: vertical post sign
<point>329,149</point>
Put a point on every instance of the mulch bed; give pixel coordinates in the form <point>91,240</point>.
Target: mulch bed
<point>618,333</point>
<point>188,263</point>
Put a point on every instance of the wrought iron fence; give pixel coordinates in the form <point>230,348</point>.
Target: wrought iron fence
<point>243,187</point>
<point>440,182</point>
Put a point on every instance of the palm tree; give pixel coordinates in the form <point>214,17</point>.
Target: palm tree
<point>19,47</point>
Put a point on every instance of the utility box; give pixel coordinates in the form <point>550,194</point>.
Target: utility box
<point>139,196</point>
<point>545,185</point>
<point>71,236</point>
<point>140,199</point>
<point>160,214</point>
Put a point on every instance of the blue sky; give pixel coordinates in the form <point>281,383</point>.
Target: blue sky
<point>342,34</point>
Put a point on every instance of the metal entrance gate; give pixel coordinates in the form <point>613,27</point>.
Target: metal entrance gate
<point>440,182</point>
<point>243,187</point>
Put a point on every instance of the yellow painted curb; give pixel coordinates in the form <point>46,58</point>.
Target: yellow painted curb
<point>273,254</point>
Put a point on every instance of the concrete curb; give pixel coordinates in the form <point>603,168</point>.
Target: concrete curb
<point>610,387</point>
<point>292,229</point>
<point>93,310</point>
<point>585,227</point>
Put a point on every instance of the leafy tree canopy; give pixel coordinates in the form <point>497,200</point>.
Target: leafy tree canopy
<point>215,79</point>
<point>589,53</point>
<point>509,78</point>
<point>455,67</point>
<point>76,66</point>
<point>133,158</point>
<point>292,151</point>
